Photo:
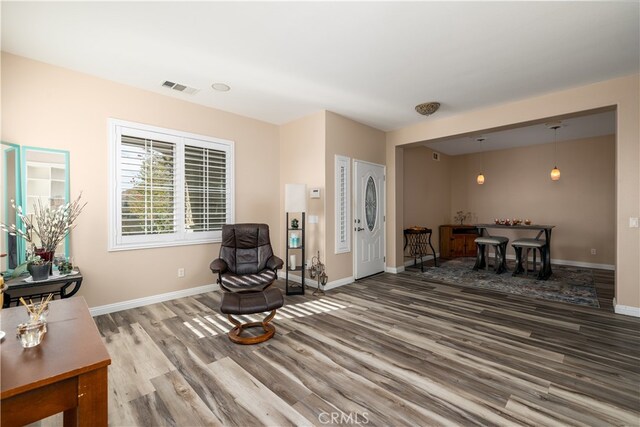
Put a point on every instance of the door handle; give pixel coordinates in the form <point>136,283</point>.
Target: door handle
<point>359,229</point>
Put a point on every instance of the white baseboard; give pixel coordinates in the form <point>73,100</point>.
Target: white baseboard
<point>567,262</point>
<point>298,279</point>
<point>312,283</point>
<point>394,270</point>
<point>337,283</point>
<point>625,309</point>
<point>153,299</point>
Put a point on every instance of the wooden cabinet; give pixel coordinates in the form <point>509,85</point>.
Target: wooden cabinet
<point>457,240</point>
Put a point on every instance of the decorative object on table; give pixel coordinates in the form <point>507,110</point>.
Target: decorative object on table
<point>295,202</point>
<point>462,216</point>
<point>49,224</point>
<point>517,221</point>
<point>292,262</point>
<point>527,222</point>
<point>294,223</point>
<point>294,240</point>
<point>574,285</point>
<point>555,172</point>
<point>31,333</point>
<point>38,310</point>
<point>65,266</point>
<point>38,267</point>
<point>317,271</point>
<point>480,177</point>
<point>497,221</point>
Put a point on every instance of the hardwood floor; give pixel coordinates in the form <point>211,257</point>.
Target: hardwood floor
<point>389,350</point>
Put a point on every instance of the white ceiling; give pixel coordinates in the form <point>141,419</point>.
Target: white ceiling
<point>574,128</point>
<point>372,62</point>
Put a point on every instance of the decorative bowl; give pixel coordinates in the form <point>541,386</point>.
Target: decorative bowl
<point>527,222</point>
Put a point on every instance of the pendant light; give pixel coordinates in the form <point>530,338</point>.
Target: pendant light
<point>555,172</point>
<point>480,177</point>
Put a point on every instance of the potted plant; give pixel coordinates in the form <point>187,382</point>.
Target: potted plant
<point>38,267</point>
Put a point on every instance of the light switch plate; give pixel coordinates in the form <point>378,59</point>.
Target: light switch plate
<point>633,222</point>
<point>313,219</point>
<point>314,193</point>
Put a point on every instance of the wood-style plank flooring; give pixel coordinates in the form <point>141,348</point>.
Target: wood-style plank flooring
<point>389,350</point>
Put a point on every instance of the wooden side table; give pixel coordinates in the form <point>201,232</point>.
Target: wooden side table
<point>66,373</point>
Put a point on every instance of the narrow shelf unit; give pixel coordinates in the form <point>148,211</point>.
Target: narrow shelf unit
<point>293,288</point>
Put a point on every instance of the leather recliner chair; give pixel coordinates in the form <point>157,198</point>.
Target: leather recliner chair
<point>246,269</point>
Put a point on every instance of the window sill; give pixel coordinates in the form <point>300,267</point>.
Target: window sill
<point>155,245</point>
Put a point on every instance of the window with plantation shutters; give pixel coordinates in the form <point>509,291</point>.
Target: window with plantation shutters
<point>167,187</point>
<point>343,204</point>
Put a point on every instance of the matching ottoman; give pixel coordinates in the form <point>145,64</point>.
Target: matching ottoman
<point>240,303</point>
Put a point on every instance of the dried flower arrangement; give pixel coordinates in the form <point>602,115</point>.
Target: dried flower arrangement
<point>462,216</point>
<point>50,225</point>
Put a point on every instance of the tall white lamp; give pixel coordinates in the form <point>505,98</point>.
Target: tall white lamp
<point>295,201</point>
<point>295,197</point>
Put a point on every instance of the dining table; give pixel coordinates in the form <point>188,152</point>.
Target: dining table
<point>542,229</point>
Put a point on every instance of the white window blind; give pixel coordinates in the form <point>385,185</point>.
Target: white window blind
<point>343,204</point>
<point>167,187</point>
<point>147,180</point>
<point>205,201</point>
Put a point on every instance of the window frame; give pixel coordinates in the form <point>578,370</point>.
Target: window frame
<point>181,237</point>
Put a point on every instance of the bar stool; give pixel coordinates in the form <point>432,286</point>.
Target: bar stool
<point>500,245</point>
<point>528,245</point>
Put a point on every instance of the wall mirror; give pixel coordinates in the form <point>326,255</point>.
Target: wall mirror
<point>32,175</point>
<point>11,184</point>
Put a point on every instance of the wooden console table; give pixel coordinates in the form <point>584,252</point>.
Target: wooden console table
<point>66,373</point>
<point>64,287</point>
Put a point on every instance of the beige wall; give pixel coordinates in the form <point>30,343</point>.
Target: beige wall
<point>348,138</point>
<point>581,204</point>
<point>302,159</point>
<point>52,107</point>
<point>427,186</point>
<point>623,93</point>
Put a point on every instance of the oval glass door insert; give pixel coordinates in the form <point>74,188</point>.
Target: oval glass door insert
<point>371,203</point>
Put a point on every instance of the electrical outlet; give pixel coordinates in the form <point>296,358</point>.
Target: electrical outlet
<point>181,272</point>
<point>593,251</point>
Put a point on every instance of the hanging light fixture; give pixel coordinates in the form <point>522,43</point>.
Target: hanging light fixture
<point>480,178</point>
<point>555,172</point>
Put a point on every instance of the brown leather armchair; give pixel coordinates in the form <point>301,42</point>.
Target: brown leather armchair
<point>246,268</point>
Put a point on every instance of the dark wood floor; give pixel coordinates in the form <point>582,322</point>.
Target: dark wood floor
<point>389,350</point>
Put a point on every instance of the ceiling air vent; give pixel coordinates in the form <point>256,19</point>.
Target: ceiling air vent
<point>179,87</point>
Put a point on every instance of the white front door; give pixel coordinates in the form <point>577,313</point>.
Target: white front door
<point>369,219</point>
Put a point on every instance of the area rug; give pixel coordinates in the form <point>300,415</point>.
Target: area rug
<point>572,285</point>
